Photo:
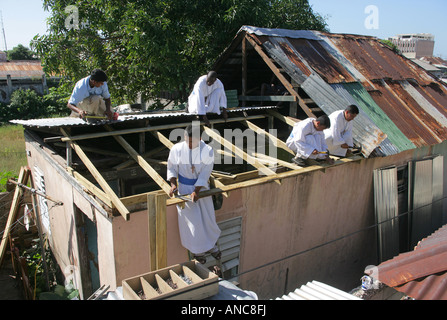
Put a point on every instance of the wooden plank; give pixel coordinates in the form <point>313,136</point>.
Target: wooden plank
<point>143,163</point>
<point>161,231</point>
<point>99,178</point>
<point>240,153</point>
<point>91,187</point>
<point>151,217</point>
<point>258,130</point>
<point>285,119</point>
<point>279,75</point>
<point>144,129</point>
<point>15,205</point>
<point>280,162</point>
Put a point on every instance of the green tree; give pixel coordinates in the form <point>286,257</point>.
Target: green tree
<point>153,45</point>
<point>21,53</point>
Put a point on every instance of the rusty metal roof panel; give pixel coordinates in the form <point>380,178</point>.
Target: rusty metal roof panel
<point>410,125</point>
<point>421,273</point>
<point>21,69</point>
<point>376,61</point>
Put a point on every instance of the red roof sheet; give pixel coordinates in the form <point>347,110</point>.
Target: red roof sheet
<point>422,273</point>
<point>21,69</point>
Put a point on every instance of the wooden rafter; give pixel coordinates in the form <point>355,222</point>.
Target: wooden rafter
<point>279,75</point>
<point>99,178</point>
<point>240,153</point>
<point>143,163</point>
<point>259,130</point>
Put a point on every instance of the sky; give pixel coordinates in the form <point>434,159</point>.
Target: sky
<point>23,19</point>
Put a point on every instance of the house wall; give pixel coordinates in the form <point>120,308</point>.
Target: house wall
<point>305,212</point>
<point>63,238</point>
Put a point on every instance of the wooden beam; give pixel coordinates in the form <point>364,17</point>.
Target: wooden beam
<point>99,178</point>
<point>258,130</point>
<point>161,232</point>
<point>152,217</point>
<point>144,129</point>
<point>94,190</point>
<point>129,162</point>
<point>278,161</point>
<point>240,153</point>
<point>143,163</point>
<point>285,119</point>
<point>279,75</point>
<point>15,205</point>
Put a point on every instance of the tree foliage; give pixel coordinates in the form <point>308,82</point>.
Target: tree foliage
<point>21,53</point>
<point>147,46</point>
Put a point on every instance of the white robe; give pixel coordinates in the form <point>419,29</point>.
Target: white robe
<point>339,133</point>
<point>207,99</point>
<point>197,221</point>
<point>304,139</point>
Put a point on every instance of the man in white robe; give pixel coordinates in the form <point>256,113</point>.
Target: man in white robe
<point>339,135</point>
<point>208,96</point>
<point>307,141</point>
<point>189,168</point>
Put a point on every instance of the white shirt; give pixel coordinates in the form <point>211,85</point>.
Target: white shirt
<point>83,90</point>
<point>339,133</point>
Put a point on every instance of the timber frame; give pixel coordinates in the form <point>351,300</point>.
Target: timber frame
<point>223,182</point>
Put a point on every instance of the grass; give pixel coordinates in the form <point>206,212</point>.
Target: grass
<point>12,153</point>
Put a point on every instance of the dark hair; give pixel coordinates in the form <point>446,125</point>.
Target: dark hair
<point>98,75</point>
<point>324,121</point>
<point>352,109</point>
<point>193,130</point>
<point>212,74</point>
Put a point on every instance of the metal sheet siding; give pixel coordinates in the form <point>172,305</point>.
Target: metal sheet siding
<point>367,104</point>
<point>386,210</point>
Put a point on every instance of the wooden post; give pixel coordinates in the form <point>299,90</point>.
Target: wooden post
<point>151,212</point>
<point>161,231</point>
<point>23,178</point>
<point>244,68</point>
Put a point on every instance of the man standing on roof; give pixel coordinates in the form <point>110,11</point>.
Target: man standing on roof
<point>208,96</point>
<point>307,140</point>
<point>339,135</point>
<point>91,96</point>
<point>190,163</point>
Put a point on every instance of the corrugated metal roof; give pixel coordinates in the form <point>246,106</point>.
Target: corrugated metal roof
<point>73,121</point>
<point>21,69</point>
<point>421,273</point>
<point>316,290</point>
<point>390,84</point>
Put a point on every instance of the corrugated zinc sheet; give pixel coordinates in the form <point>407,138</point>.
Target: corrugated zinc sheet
<point>365,131</point>
<point>421,273</point>
<point>21,69</point>
<point>386,211</point>
<point>73,121</point>
<point>367,104</point>
<point>316,290</point>
<point>412,127</point>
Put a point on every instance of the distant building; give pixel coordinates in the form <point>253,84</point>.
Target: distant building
<point>414,46</point>
<point>20,74</point>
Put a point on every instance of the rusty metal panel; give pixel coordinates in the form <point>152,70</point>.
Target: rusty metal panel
<point>408,124</point>
<point>365,131</point>
<point>21,69</point>
<point>421,273</point>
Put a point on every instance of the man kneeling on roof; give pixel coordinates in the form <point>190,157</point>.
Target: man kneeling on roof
<point>91,96</point>
<point>307,140</point>
<point>190,163</point>
<point>208,96</point>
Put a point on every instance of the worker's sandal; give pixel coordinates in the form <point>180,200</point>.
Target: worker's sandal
<point>201,258</point>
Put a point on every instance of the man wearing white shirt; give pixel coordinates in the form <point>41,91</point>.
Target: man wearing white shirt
<point>339,135</point>
<point>307,141</point>
<point>190,163</point>
<point>208,96</point>
<point>91,96</point>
